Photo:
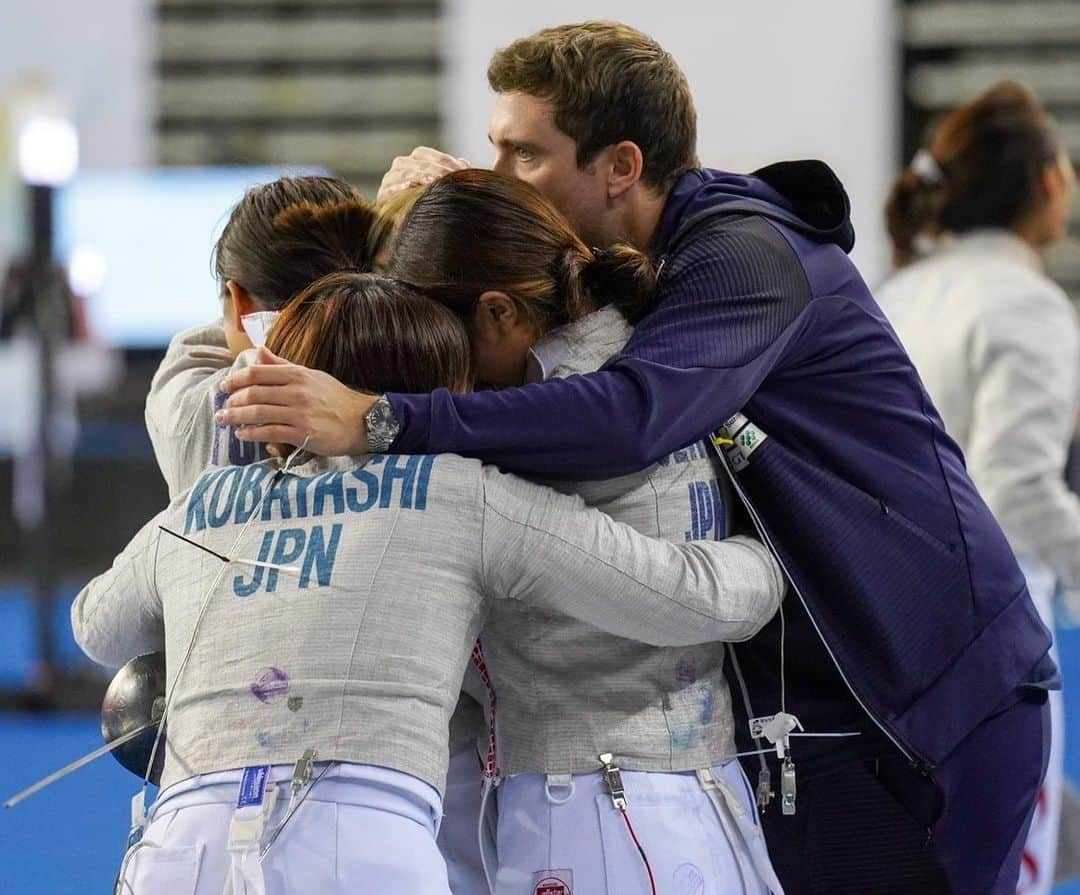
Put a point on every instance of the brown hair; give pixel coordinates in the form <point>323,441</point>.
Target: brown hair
<point>986,160</point>
<point>388,220</point>
<point>607,82</point>
<point>284,235</point>
<point>374,334</point>
<point>473,231</point>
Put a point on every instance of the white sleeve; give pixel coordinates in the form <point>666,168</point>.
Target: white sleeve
<point>182,401</point>
<point>118,615</point>
<point>549,549</point>
<point>1025,358</point>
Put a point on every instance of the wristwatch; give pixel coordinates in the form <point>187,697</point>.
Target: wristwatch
<point>382,426</point>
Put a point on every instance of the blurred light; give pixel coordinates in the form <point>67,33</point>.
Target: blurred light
<point>48,151</point>
<point>87,269</point>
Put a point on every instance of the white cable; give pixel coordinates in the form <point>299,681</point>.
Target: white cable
<point>485,793</point>
<point>763,752</point>
<point>764,768</point>
<point>768,545</point>
<point>121,880</point>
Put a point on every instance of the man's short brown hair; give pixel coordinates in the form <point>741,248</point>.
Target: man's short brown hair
<point>607,82</point>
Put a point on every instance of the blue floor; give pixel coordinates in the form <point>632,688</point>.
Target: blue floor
<point>70,837</point>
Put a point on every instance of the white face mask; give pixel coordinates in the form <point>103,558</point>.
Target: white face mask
<point>258,325</point>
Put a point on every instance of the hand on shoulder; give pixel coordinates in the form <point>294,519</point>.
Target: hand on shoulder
<point>274,400</point>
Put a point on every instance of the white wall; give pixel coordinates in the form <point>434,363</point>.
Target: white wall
<point>772,79</point>
<point>96,56</point>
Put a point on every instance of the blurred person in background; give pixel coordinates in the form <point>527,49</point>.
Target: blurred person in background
<point>762,331</point>
<point>997,345</point>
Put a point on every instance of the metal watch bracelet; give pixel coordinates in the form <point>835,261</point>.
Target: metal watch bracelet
<point>382,426</point>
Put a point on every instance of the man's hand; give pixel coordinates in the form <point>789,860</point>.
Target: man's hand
<point>420,167</point>
<point>276,401</point>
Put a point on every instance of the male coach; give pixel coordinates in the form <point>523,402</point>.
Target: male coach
<point>909,649</point>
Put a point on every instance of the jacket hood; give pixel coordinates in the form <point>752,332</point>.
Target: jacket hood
<point>803,195</point>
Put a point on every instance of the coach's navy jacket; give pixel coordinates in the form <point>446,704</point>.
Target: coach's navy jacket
<point>900,564</point>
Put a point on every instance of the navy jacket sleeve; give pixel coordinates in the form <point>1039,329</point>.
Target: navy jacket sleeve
<point>729,292</point>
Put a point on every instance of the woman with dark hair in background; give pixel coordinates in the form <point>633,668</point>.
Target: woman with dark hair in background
<point>540,304</point>
<point>323,614</point>
<point>997,345</point>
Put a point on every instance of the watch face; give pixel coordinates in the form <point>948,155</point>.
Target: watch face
<point>381,415</point>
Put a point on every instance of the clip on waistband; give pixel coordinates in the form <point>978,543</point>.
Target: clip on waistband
<point>254,806</point>
<point>613,779</point>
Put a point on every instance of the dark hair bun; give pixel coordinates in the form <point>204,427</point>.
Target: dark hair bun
<point>339,233</point>
<point>621,276</point>
<point>910,210</point>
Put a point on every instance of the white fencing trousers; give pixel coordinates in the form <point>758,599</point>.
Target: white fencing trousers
<point>458,838</point>
<point>563,836</point>
<point>1040,849</point>
<point>361,829</point>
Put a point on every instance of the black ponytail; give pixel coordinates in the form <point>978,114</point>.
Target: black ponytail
<point>623,277</point>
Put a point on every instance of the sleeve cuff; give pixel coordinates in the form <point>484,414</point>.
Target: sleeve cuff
<point>414,414</point>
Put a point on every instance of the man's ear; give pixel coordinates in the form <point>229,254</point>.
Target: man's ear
<point>496,310</point>
<point>627,166</point>
<point>242,302</point>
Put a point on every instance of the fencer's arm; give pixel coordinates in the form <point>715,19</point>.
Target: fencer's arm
<point>549,549</point>
<point>118,615</point>
<point>183,397</point>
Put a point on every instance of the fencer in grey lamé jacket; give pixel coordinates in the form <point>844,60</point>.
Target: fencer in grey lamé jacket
<point>184,395</point>
<point>568,691</point>
<point>376,574</point>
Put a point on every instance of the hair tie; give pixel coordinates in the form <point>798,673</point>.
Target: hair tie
<point>927,169</point>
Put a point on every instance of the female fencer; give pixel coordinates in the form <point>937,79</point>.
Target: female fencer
<point>539,304</point>
<point>681,712</point>
<point>279,238</point>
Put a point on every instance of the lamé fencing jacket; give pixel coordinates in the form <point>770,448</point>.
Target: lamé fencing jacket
<point>568,691</point>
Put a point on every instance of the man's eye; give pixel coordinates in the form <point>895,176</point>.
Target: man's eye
<point>525,155</point>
